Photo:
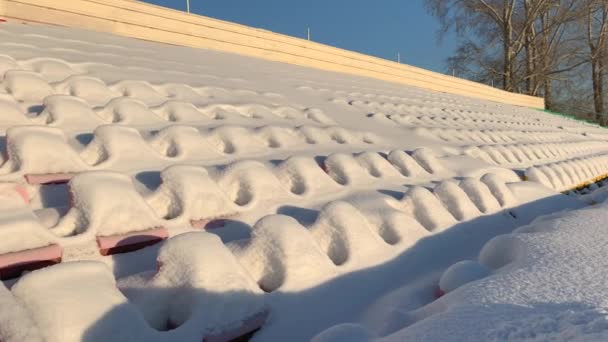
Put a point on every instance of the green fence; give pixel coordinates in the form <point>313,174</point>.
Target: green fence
<point>572,117</point>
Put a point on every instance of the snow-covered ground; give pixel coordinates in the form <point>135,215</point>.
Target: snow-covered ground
<point>307,203</point>
<point>544,282</point>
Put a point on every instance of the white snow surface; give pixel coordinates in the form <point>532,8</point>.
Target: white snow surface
<point>351,209</point>
<point>547,283</point>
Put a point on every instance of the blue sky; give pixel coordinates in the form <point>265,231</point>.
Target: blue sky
<point>380,28</point>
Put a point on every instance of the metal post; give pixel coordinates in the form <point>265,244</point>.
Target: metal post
<point>188,6</point>
<point>398,57</point>
<point>308,33</point>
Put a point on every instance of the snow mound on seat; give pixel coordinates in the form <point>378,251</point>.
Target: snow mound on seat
<point>480,194</point>
<point>407,165</point>
<point>501,251</point>
<point>234,139</point>
<point>7,63</point>
<point>426,208</point>
<point>104,204</point>
<point>377,166</point>
<point>178,111</point>
<point>427,159</point>
<point>345,169</point>
<point>126,110</point>
<point>461,273</point>
<point>142,90</point>
<point>11,114</point>
<point>182,142</point>
<point>51,69</point>
<point>26,85</point>
<point>248,182</point>
<point>189,193</point>
<point>499,189</point>
<point>282,254</point>
<point>66,301</point>
<point>206,289</point>
<point>304,177</point>
<point>394,226</point>
<point>27,155</point>
<point>91,89</point>
<point>21,230</point>
<point>16,324</point>
<point>456,200</point>
<point>344,234</point>
<point>61,110</point>
<point>200,290</point>
<point>112,144</point>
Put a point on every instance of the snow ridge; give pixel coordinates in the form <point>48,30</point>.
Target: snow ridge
<point>570,174</point>
<point>113,146</point>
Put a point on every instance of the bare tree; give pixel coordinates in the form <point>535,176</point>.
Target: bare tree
<point>527,44</point>
<point>530,47</point>
<point>480,62</point>
<point>555,45</point>
<point>488,19</point>
<point>597,38</point>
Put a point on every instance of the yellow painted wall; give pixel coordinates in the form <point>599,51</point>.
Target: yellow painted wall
<point>140,20</point>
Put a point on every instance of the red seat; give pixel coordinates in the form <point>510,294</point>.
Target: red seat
<point>124,243</point>
<point>51,178</point>
<point>13,264</point>
<point>439,293</point>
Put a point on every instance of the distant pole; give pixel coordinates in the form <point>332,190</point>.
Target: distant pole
<point>308,33</point>
<point>399,57</point>
<point>454,72</point>
<point>188,6</point>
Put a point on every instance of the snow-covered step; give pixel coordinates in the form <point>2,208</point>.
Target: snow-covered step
<point>526,153</point>
<point>87,290</point>
<point>107,203</point>
<point>495,136</point>
<point>571,173</point>
<point>106,208</point>
<point>74,78</point>
<point>346,235</point>
<point>76,114</point>
<point>45,154</point>
<point>442,121</point>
